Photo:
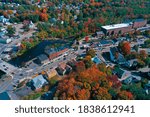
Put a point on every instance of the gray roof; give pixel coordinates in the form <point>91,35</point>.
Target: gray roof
<point>42,57</point>
<point>39,81</point>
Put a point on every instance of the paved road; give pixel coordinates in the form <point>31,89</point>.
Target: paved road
<point>6,67</point>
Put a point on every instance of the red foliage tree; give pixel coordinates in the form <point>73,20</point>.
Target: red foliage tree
<point>125,95</point>
<point>125,47</point>
<point>115,82</point>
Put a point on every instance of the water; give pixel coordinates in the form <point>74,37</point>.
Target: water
<point>37,50</point>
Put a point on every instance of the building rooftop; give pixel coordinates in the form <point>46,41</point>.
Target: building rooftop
<point>115,26</point>
<point>138,20</point>
<point>38,81</point>
<point>96,60</point>
<point>42,57</point>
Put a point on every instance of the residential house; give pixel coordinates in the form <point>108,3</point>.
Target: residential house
<point>96,60</point>
<point>122,74</point>
<point>8,50</point>
<point>131,63</point>
<point>72,63</point>
<point>147,87</point>
<point>28,23</point>
<point>4,20</point>
<point>49,95</point>
<point>51,73</point>
<point>5,40</point>
<point>100,34</point>
<point>132,79</point>
<point>115,56</point>
<point>104,43</point>
<point>42,59</point>
<point>38,82</point>
<point>63,69</point>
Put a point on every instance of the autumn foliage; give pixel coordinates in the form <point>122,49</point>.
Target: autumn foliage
<point>89,83</point>
<point>125,47</point>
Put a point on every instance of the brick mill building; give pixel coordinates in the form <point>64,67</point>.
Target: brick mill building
<point>123,28</point>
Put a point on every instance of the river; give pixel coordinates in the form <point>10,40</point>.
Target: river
<point>37,50</point>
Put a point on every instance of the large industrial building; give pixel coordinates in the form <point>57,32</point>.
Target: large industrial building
<point>123,28</point>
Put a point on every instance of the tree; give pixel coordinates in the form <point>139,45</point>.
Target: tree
<point>43,34</point>
<point>143,54</point>
<point>91,52</point>
<point>125,95</point>
<point>10,30</point>
<point>87,61</point>
<point>80,66</point>
<point>115,82</point>
<point>125,47</point>
<point>83,94</point>
<point>102,94</point>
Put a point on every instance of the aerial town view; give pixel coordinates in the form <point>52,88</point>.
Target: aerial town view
<point>74,49</point>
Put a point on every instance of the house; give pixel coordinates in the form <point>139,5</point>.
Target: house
<point>96,60</point>
<point>51,73</point>
<point>42,59</point>
<point>4,20</point>
<point>128,80</point>
<point>63,69</point>
<point>131,63</point>
<point>100,34</point>
<point>72,63</point>
<point>49,95</point>
<point>147,87</point>
<point>122,74</point>
<point>8,50</point>
<point>104,43</point>
<point>38,82</point>
<point>5,40</point>
<point>132,79</point>
<point>28,23</point>
<point>115,56</point>
<point>2,34</point>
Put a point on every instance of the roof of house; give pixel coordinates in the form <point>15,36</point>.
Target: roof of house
<point>38,81</point>
<point>138,20</point>
<point>105,42</point>
<point>132,61</point>
<point>100,33</point>
<point>121,58</point>
<point>115,26</point>
<point>119,72</point>
<point>4,96</point>
<point>96,60</point>
<point>113,50</point>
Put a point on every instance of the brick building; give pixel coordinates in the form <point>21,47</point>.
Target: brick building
<point>123,28</point>
<point>54,53</point>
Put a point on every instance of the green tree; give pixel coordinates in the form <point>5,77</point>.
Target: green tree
<point>10,30</point>
<point>91,52</point>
